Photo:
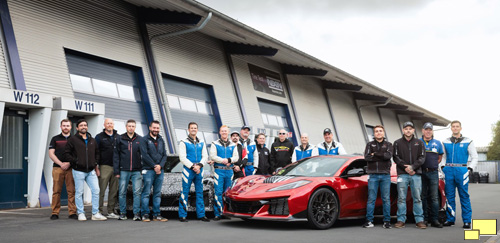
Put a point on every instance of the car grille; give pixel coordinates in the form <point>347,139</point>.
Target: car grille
<point>278,206</point>
<point>276,179</point>
<point>244,207</point>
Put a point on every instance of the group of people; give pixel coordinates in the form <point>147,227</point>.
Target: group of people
<point>115,160</point>
<point>111,160</point>
<point>418,162</point>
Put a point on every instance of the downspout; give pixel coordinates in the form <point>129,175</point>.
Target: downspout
<point>157,74</point>
<point>325,93</point>
<point>361,115</point>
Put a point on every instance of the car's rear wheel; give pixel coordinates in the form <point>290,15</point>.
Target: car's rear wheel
<point>323,209</point>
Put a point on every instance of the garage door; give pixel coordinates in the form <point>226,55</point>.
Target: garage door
<point>114,84</point>
<point>190,102</point>
<point>274,117</point>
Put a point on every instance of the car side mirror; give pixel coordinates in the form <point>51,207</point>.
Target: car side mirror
<point>356,172</point>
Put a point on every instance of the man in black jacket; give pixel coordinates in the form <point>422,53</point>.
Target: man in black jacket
<point>106,143</point>
<point>154,157</point>
<point>82,153</point>
<point>127,167</point>
<point>409,156</point>
<point>378,154</point>
<point>239,166</point>
<point>281,151</point>
<point>265,167</point>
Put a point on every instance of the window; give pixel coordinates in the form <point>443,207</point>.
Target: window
<point>202,107</point>
<point>264,119</point>
<point>187,104</point>
<point>81,83</point>
<point>105,88</point>
<point>126,92</point>
<point>180,134</point>
<point>173,102</point>
<point>273,120</point>
<point>370,132</point>
<point>210,137</point>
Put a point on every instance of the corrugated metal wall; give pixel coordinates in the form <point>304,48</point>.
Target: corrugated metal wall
<point>311,107</point>
<point>43,29</point>
<point>392,128</point>
<point>4,74</point>
<point>346,117</point>
<point>491,167</point>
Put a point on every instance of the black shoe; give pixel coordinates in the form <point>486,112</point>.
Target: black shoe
<point>467,226</point>
<point>54,216</point>
<point>224,217</point>
<point>448,223</point>
<point>436,224</point>
<point>73,216</point>
<point>216,218</point>
<point>183,219</point>
<point>205,219</point>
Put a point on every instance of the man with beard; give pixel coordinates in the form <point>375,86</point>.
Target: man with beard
<point>239,167</point>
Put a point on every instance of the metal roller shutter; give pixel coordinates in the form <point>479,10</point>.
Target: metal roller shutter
<point>274,117</point>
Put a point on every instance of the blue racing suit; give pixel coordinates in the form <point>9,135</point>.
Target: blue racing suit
<point>334,148</point>
<point>223,174</point>
<point>252,155</point>
<point>301,153</point>
<point>456,174</point>
<point>192,152</point>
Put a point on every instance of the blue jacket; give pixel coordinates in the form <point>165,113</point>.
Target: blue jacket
<point>153,152</point>
<point>299,153</point>
<point>458,151</point>
<point>192,152</point>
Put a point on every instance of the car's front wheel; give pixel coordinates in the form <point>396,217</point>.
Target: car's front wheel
<point>323,209</point>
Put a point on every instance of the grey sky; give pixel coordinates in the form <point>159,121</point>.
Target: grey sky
<point>442,55</point>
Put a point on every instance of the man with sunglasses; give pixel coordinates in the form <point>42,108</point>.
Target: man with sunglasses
<point>281,151</point>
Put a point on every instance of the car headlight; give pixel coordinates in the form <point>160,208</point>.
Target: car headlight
<point>234,183</point>
<point>289,186</point>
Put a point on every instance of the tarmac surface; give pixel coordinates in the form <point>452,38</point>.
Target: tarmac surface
<point>34,225</point>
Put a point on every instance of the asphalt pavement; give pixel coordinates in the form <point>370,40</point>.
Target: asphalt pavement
<point>34,225</point>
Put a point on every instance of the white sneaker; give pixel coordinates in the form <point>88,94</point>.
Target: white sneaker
<point>82,217</point>
<point>98,216</point>
<point>112,216</point>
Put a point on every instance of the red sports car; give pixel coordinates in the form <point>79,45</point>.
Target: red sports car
<point>319,190</point>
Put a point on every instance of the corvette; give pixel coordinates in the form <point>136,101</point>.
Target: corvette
<point>319,190</point>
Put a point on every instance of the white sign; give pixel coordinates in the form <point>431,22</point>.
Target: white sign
<point>75,106</point>
<point>25,98</point>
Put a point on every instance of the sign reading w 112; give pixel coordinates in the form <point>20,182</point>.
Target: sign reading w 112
<point>29,98</point>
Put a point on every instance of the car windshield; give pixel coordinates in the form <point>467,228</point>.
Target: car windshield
<point>314,167</point>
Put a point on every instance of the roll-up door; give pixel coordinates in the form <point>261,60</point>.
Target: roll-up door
<point>114,84</point>
<point>190,102</point>
<point>274,117</point>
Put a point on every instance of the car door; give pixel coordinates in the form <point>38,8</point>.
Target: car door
<point>353,192</point>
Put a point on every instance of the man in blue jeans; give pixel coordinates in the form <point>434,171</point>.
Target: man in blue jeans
<point>409,155</point>
<point>154,157</point>
<point>378,154</point>
<point>127,167</point>
<point>430,175</point>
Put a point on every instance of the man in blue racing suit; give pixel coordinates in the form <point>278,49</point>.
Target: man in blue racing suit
<point>223,155</point>
<point>193,155</point>
<point>252,153</point>
<point>457,173</point>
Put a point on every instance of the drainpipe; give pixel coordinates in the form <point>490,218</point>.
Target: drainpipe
<point>157,80</point>
<point>361,116</point>
<point>325,93</point>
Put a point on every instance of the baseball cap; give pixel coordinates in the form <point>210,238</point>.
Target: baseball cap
<point>428,125</point>
<point>327,130</point>
<point>408,123</point>
<point>234,133</point>
<point>246,127</point>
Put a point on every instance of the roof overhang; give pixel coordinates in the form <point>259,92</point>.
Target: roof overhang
<point>369,97</point>
<point>246,49</point>
<point>327,84</point>
<point>301,70</point>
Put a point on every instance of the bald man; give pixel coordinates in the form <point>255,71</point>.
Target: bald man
<point>106,141</point>
<point>304,150</point>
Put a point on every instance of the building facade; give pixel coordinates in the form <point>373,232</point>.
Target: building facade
<point>173,61</point>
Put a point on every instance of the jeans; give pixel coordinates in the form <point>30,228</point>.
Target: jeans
<point>415,182</point>
<point>92,181</point>
<point>430,200</point>
<point>374,182</point>
<point>151,179</point>
<point>107,177</point>
<point>136,178</point>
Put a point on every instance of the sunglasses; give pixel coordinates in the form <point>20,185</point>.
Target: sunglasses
<point>282,133</point>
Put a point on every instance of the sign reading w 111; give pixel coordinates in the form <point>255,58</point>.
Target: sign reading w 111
<point>266,81</point>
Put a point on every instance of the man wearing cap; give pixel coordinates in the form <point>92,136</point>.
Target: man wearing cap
<point>457,172</point>
<point>223,155</point>
<point>281,151</point>
<point>329,146</point>
<point>430,175</point>
<point>304,150</point>
<point>239,167</point>
<point>251,149</point>
<point>409,155</point>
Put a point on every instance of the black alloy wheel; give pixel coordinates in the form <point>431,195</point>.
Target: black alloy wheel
<point>323,209</point>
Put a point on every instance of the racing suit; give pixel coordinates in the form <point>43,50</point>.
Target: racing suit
<point>253,156</point>
<point>192,152</point>
<point>335,148</point>
<point>300,153</point>
<point>457,151</point>
<point>223,174</point>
